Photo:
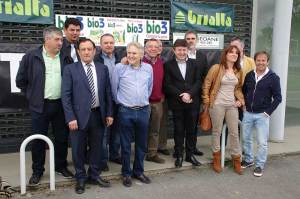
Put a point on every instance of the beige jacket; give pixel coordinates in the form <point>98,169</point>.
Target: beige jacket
<point>248,65</point>
<point>212,84</point>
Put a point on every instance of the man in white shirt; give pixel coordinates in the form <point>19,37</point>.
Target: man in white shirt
<point>193,53</point>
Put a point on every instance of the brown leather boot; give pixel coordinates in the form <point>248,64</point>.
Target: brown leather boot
<point>236,161</point>
<point>217,162</point>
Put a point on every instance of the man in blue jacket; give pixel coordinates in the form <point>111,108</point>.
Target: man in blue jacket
<point>110,57</point>
<point>39,77</point>
<point>262,96</point>
<point>87,103</point>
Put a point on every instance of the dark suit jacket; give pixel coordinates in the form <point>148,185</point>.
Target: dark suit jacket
<point>31,77</point>
<point>175,84</point>
<point>76,94</point>
<point>201,61</point>
<point>66,49</point>
<point>98,57</point>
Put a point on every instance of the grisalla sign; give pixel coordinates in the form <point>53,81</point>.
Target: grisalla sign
<point>27,11</point>
<point>201,17</point>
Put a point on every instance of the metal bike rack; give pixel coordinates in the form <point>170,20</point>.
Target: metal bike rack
<point>223,142</point>
<point>23,164</point>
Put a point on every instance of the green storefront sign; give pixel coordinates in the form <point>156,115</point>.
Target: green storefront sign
<point>27,11</point>
<point>202,17</point>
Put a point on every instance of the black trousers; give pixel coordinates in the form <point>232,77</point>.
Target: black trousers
<point>53,114</point>
<point>185,121</point>
<point>196,127</point>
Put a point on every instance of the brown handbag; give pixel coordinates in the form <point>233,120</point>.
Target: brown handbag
<point>205,121</point>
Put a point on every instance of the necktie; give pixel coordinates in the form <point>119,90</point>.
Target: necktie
<point>73,53</point>
<point>91,83</point>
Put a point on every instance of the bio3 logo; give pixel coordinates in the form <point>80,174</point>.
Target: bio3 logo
<point>151,27</point>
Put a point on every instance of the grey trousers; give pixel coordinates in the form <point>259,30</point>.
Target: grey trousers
<point>154,127</point>
<point>231,115</point>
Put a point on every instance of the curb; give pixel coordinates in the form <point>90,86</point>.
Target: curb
<point>44,186</point>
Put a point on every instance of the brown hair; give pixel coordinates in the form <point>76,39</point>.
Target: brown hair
<point>106,35</point>
<point>262,53</point>
<point>190,32</point>
<point>180,43</point>
<point>228,49</point>
<point>83,40</point>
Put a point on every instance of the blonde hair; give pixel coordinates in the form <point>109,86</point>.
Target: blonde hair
<point>137,45</point>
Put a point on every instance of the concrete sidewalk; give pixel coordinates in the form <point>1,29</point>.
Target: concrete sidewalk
<point>9,163</point>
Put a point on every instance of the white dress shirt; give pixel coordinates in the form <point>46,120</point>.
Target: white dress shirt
<point>95,80</point>
<point>73,53</point>
<point>182,67</point>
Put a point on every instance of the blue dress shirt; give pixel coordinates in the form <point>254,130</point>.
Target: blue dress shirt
<point>132,86</point>
<point>109,62</point>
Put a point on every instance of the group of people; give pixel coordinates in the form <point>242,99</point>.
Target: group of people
<point>105,101</point>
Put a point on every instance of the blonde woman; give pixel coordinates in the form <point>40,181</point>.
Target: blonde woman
<point>222,95</point>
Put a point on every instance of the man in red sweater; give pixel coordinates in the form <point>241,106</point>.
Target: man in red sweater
<point>156,99</point>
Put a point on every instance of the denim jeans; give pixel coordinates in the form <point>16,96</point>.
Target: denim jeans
<point>133,123</point>
<point>111,142</point>
<point>114,137</point>
<point>261,122</point>
<point>104,150</point>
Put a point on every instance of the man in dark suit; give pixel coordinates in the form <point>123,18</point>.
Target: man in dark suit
<point>182,85</point>
<point>87,102</point>
<point>72,28</point>
<point>109,57</point>
<point>39,77</point>
<point>193,53</point>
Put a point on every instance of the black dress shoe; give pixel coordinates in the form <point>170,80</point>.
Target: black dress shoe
<point>35,180</point>
<point>142,178</point>
<point>65,172</point>
<point>164,151</point>
<point>198,152</point>
<point>80,187</point>
<point>174,155</point>
<point>192,160</point>
<point>117,160</point>
<point>127,181</point>
<point>178,162</point>
<point>105,168</point>
<point>101,182</point>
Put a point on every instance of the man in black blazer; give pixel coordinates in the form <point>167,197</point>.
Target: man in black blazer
<point>87,103</point>
<point>193,53</point>
<point>182,85</point>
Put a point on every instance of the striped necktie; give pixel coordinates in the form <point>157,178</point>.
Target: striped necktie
<point>89,75</point>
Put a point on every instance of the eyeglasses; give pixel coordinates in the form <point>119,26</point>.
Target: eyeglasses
<point>152,46</point>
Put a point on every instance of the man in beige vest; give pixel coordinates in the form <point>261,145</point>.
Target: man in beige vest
<point>247,63</point>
